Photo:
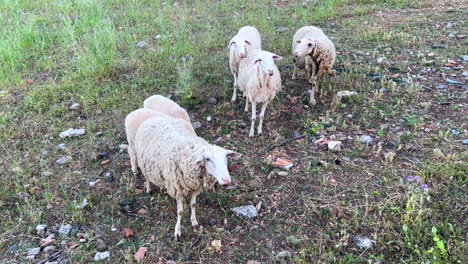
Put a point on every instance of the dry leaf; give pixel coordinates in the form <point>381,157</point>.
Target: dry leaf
<point>141,211</point>
<point>139,190</point>
<point>216,244</point>
<point>282,162</point>
<point>104,162</point>
<point>253,262</point>
<point>140,254</point>
<point>29,81</point>
<point>153,238</point>
<point>72,245</point>
<point>135,36</point>
<point>94,183</point>
<point>233,167</point>
<point>332,181</point>
<point>48,240</point>
<point>128,232</point>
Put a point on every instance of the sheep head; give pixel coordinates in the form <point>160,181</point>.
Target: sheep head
<point>305,46</point>
<point>215,162</point>
<point>266,61</point>
<point>240,46</point>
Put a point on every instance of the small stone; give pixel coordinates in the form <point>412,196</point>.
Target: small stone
<point>63,160</point>
<point>460,36</point>
<point>74,106</point>
<point>331,24</point>
<point>123,146</point>
<point>30,257</point>
<point>208,118</point>
<point>293,240</point>
<point>100,245</point>
<point>465,141</point>
<point>296,134</point>
<point>366,139</point>
<point>441,86</point>
<point>334,145</point>
<point>237,229</point>
<point>49,248</point>
<point>71,132</point>
<point>113,229</point>
<point>363,242</point>
<point>40,229</point>
<point>47,173</point>
<point>383,90</point>
<point>282,173</point>
<point>284,255</point>
<point>282,29</point>
<point>34,251</point>
<point>101,255</point>
<point>65,229</point>
<point>455,132</point>
<point>98,133</point>
<point>109,177</point>
<point>427,130</point>
<point>349,116</point>
<point>449,25</point>
<point>141,44</point>
<point>12,248</point>
<point>212,221</point>
<point>196,125</point>
<point>231,187</point>
<point>465,57</point>
<point>102,155</point>
<point>381,60</point>
<point>212,100</point>
<point>307,187</point>
<point>248,211</point>
<point>61,146</point>
<point>346,93</point>
<point>465,74</point>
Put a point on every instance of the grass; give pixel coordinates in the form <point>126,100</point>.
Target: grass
<point>55,53</point>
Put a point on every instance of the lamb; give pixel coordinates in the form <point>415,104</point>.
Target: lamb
<point>238,50</point>
<point>133,122</point>
<point>180,162</point>
<point>260,78</point>
<point>314,53</point>
<point>165,105</point>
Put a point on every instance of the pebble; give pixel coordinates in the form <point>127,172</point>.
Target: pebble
<point>196,125</point>
<point>65,229</point>
<point>349,116</point>
<point>283,254</point>
<point>61,146</point>
<point>296,134</point>
<point>334,145</point>
<point>441,86</point>
<point>381,59</point>
<point>331,24</point>
<point>293,240</point>
<point>237,229</point>
<point>248,211</point>
<point>12,247</point>
<point>346,93</point>
<point>307,187</point>
<point>212,221</point>
<point>212,100</point>
<point>47,173</point>
<point>100,245</point>
<point>427,130</point>
<point>101,255</point>
<point>63,160</point>
<point>465,74</point>
<point>109,177</point>
<point>366,139</point>
<point>208,118</point>
<point>465,57</point>
<point>282,29</point>
<point>282,173</point>
<point>231,187</point>
<point>72,132</point>
<point>454,131</point>
<point>449,25</point>
<point>103,155</point>
<point>40,229</point>
<point>123,146</point>
<point>49,248</point>
<point>383,90</point>
<point>363,242</point>
<point>142,44</point>
<point>74,106</point>
<point>34,251</point>
<point>465,141</point>
<point>31,257</point>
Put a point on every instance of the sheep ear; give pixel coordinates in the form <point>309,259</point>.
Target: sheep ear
<point>277,57</point>
<point>298,41</point>
<point>200,160</point>
<point>232,155</point>
<point>247,42</point>
<point>232,42</point>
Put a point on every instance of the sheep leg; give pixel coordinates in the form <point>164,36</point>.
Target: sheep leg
<point>312,100</point>
<point>294,75</point>
<point>133,162</point>
<point>254,116</point>
<point>262,114</point>
<point>234,94</point>
<point>193,216</point>
<point>246,104</point>
<point>148,186</point>
<point>180,210</point>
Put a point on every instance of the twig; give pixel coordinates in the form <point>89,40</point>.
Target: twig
<point>283,142</point>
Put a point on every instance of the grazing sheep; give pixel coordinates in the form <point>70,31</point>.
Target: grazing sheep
<point>165,105</point>
<point>180,162</point>
<point>314,53</point>
<point>261,79</point>
<point>247,39</point>
<point>133,122</point>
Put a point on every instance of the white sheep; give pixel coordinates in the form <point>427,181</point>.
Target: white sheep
<point>133,122</point>
<point>247,39</point>
<point>315,53</point>
<point>261,79</point>
<point>180,162</point>
<point>165,105</point>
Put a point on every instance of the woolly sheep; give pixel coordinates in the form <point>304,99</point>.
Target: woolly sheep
<point>247,39</point>
<point>133,122</point>
<point>180,162</point>
<point>261,79</point>
<point>314,53</point>
<point>165,105</point>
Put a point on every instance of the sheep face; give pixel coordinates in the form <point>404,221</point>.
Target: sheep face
<point>266,61</point>
<point>215,163</point>
<point>240,46</point>
<point>305,46</point>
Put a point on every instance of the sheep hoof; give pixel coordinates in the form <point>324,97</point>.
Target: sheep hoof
<point>251,134</point>
<point>177,235</point>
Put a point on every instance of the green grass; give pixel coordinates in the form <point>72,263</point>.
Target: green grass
<point>54,53</point>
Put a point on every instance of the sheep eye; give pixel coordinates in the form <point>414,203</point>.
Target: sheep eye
<point>310,44</point>
<point>258,60</point>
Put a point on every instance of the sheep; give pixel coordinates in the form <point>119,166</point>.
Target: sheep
<point>314,53</point>
<point>133,122</point>
<point>180,162</point>
<point>260,78</point>
<point>165,105</point>
<point>238,50</point>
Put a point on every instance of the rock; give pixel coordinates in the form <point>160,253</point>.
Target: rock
<point>196,125</point>
<point>349,116</point>
<point>363,242</point>
<point>212,221</point>
<point>427,130</point>
<point>212,100</point>
<point>282,29</point>
<point>237,229</point>
<point>366,139</point>
<point>284,254</point>
<point>34,251</point>
<point>100,245</point>
<point>101,255</point>
<point>381,60</point>
<point>49,248</point>
<point>123,146</point>
<point>460,36</point>
<point>231,187</point>
<point>465,74</point>
<point>65,229</point>
<point>331,24</point>
<point>441,86</point>
<point>334,145</point>
<point>74,106</point>
<point>383,90</point>
<point>61,146</point>
<point>63,160</point>
<point>208,118</point>
<point>455,132</point>
<point>282,173</point>
<point>71,132</point>
<point>449,25</point>
<point>465,141</point>
<point>248,211</point>
<point>13,247</point>
<point>253,262</point>
<point>293,240</point>
<point>465,57</point>
<point>30,257</point>
<point>346,93</point>
<point>307,187</point>
<point>109,177</point>
<point>296,134</point>
<point>47,173</point>
<point>40,229</point>
<point>141,44</point>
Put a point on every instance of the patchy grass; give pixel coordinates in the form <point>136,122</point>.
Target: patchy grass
<point>56,53</point>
